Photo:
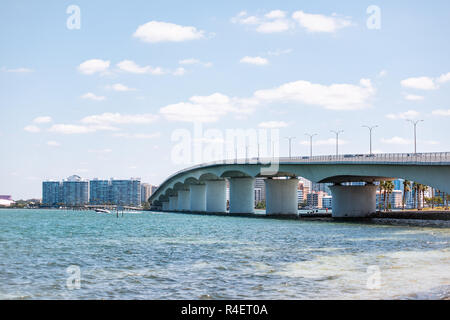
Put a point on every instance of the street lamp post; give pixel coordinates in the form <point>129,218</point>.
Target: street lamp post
<point>310,142</point>
<point>337,139</point>
<point>370,133</point>
<point>415,132</point>
<point>290,140</point>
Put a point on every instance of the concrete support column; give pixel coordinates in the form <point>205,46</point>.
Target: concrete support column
<point>198,197</point>
<point>173,203</point>
<point>353,201</point>
<point>242,195</point>
<point>281,196</point>
<point>183,200</point>
<point>165,206</point>
<point>216,196</point>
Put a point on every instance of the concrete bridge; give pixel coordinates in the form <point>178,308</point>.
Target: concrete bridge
<point>202,188</point>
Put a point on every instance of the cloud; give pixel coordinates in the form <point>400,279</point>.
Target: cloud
<point>333,97</point>
<point>273,124</point>
<point>410,114</point>
<point>118,118</point>
<point>422,83</point>
<point>274,26</point>
<point>18,70</point>
<point>138,135</point>
<point>156,31</point>
<point>254,60</point>
<point>79,129</point>
<point>53,144</point>
<point>413,97</point>
<point>382,73</point>
<point>92,96</point>
<point>444,78</point>
<point>396,140</point>
<point>192,61</point>
<point>441,112</point>
<point>279,52</point>
<point>132,67</point>
<point>93,66</point>
<point>275,14</point>
<point>272,22</point>
<point>32,129</point>
<point>179,71</point>
<point>319,22</point>
<point>121,87</point>
<point>43,119</point>
<point>199,108</point>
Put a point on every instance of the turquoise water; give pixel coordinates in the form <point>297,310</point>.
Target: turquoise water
<point>176,256</point>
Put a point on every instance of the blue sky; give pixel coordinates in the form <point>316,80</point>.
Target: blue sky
<point>103,100</point>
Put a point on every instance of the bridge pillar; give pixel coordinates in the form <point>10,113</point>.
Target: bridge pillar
<point>353,201</point>
<point>183,200</point>
<point>165,206</point>
<point>242,195</point>
<point>198,197</point>
<point>281,196</point>
<point>216,196</point>
<point>173,203</point>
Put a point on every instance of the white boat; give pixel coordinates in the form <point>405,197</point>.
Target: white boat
<point>102,211</point>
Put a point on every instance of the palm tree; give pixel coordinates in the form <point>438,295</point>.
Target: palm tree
<point>415,188</point>
<point>389,187</point>
<point>406,188</point>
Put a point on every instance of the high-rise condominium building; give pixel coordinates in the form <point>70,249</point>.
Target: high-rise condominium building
<point>75,191</point>
<point>99,192</point>
<point>51,193</point>
<point>146,191</point>
<point>126,192</point>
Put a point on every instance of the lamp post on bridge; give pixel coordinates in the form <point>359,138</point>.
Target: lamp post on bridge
<point>415,132</point>
<point>370,133</point>
<point>310,142</point>
<point>290,140</point>
<point>337,139</point>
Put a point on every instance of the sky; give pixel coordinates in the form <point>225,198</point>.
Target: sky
<point>102,88</point>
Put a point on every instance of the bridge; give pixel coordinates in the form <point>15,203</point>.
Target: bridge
<point>202,188</point>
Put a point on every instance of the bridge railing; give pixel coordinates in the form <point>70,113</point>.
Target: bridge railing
<point>377,158</point>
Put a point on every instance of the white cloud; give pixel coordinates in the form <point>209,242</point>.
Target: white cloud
<point>396,140</point>
<point>422,83</point>
<point>274,26</point>
<point>53,144</point>
<point>132,67</point>
<point>410,114</point>
<point>32,129</point>
<point>444,78</point>
<point>156,31</point>
<point>275,14</point>
<point>117,118</point>
<point>272,22</point>
<point>101,151</point>
<point>413,97</point>
<point>192,61</point>
<point>382,73</point>
<point>93,66</point>
<point>138,135</point>
<point>92,96</point>
<point>121,87</point>
<point>179,71</point>
<point>254,60</point>
<point>43,119</point>
<point>441,112</point>
<point>273,124</point>
<point>334,96</point>
<point>319,22</point>
<point>279,52</point>
<point>79,129</point>
<point>199,108</point>
<point>18,70</point>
